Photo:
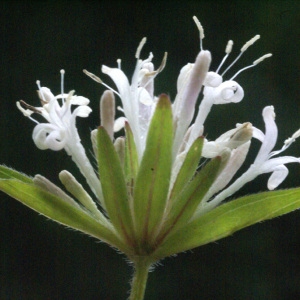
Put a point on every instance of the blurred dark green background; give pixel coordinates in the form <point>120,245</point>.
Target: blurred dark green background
<point>42,260</point>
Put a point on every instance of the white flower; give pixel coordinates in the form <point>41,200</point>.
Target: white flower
<point>60,132</point>
<point>265,162</point>
<point>137,97</point>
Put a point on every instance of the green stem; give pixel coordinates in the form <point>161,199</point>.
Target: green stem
<point>140,276</point>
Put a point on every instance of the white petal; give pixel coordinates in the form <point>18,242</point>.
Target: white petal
<point>129,103</point>
<point>49,136</point>
<point>277,177</point>
<point>212,149</point>
<point>212,79</point>
<point>183,76</point>
<point>147,80</point>
<point>119,79</point>
<point>119,123</point>
<point>228,92</point>
<point>236,159</point>
<point>62,96</point>
<point>258,134</point>
<point>270,135</point>
<point>82,111</point>
<point>79,100</point>
<point>144,97</point>
<point>45,94</point>
<point>271,164</point>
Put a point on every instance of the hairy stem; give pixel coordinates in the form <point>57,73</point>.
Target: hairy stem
<point>141,269</point>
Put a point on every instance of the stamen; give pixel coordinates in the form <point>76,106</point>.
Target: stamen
<point>119,63</point>
<point>256,62</point>
<point>228,50</point>
<point>240,71</point>
<point>97,79</point>
<point>62,72</point>
<point>153,74</point>
<point>250,43</point>
<point>38,83</point>
<point>28,111</point>
<point>201,30</point>
<point>262,58</point>
<point>140,47</point>
<point>293,138</point>
<point>163,63</point>
<point>30,107</point>
<point>120,108</point>
<point>243,49</point>
<point>91,75</point>
<point>287,143</point>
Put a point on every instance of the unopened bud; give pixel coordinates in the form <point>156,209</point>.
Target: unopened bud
<point>107,112</point>
<point>76,189</point>
<point>120,148</point>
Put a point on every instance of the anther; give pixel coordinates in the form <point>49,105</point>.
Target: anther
<point>94,77</point>
<point>201,30</point>
<point>243,49</point>
<point>262,58</point>
<point>229,47</point>
<point>228,50</point>
<point>292,139</point>
<point>140,47</point>
<point>250,43</point>
<point>97,79</point>
<point>38,83</point>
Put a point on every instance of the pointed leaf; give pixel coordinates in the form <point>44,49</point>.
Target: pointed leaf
<point>131,159</point>
<point>188,168</point>
<point>187,201</point>
<point>114,186</point>
<point>59,210</point>
<point>8,173</point>
<point>228,218</point>
<point>153,177</point>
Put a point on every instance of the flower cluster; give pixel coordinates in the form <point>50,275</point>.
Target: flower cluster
<point>149,184</point>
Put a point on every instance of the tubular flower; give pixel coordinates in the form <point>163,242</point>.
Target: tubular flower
<point>60,132</point>
<point>157,189</point>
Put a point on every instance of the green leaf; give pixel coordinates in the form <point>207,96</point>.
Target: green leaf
<point>114,186</point>
<point>152,183</point>
<point>228,218</point>
<point>131,159</point>
<point>8,173</point>
<point>59,210</point>
<point>188,168</point>
<point>187,201</point>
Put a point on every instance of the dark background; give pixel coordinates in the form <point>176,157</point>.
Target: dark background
<point>42,260</point>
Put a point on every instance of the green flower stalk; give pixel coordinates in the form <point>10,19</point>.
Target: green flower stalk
<point>159,189</point>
